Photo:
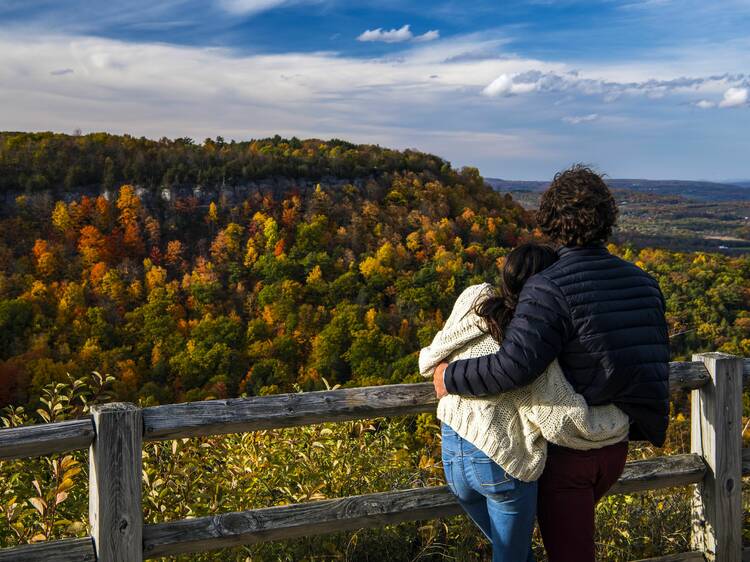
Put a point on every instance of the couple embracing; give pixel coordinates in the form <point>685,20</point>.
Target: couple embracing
<point>544,380</point>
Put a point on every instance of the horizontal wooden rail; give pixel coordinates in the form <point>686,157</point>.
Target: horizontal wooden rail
<point>694,556</point>
<point>212,417</point>
<point>297,520</point>
<point>659,472</point>
<point>45,439</point>
<point>681,557</point>
<point>67,550</point>
<point>369,510</point>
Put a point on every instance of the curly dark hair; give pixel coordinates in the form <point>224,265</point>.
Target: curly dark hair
<point>578,208</point>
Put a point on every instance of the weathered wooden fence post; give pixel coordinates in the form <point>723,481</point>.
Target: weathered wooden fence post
<point>115,512</point>
<point>716,435</point>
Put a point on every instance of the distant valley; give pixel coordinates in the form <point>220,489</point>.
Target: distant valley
<point>673,214</point>
<point>701,190</point>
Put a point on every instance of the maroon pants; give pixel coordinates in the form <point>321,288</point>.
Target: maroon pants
<point>571,484</point>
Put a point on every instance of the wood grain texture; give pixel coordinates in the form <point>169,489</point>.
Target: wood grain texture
<point>681,557</point>
<point>115,512</point>
<point>687,375</point>
<point>45,439</point>
<point>213,417</point>
<point>659,472</point>
<point>716,435</point>
<point>68,550</point>
<point>370,510</point>
<point>284,522</point>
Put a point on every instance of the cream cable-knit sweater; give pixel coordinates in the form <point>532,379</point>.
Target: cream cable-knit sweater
<point>513,428</point>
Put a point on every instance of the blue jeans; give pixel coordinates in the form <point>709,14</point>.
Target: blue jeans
<point>503,507</point>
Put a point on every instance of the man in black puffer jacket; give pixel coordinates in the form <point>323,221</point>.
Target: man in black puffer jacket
<point>603,319</point>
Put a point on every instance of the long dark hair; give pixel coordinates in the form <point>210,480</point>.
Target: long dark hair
<point>520,264</point>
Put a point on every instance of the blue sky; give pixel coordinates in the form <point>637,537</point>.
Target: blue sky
<point>520,89</point>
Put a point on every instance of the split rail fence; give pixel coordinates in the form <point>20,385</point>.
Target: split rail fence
<point>114,434</point>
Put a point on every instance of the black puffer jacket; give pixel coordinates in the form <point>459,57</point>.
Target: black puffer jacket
<point>603,318</point>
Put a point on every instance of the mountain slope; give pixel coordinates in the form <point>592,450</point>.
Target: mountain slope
<point>292,261</point>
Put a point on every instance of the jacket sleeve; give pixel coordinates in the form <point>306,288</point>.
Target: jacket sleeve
<point>535,336</point>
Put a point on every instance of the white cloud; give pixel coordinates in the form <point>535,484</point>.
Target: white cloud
<point>734,97</point>
<point>428,36</point>
<point>643,4</point>
<point>577,119</point>
<point>399,35</point>
<point>500,86</point>
<point>705,104</point>
<point>505,85</point>
<point>166,86</point>
<point>387,36</point>
<point>158,89</point>
<point>103,59</point>
<point>248,7</point>
<point>611,90</point>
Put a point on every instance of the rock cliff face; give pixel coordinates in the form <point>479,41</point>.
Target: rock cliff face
<point>164,197</point>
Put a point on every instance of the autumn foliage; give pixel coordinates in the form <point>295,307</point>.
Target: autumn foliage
<point>277,284</point>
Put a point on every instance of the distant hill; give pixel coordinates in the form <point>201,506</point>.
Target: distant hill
<point>700,190</point>
<point>100,162</point>
<point>516,185</point>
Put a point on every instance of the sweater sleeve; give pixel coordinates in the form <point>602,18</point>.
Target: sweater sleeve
<point>460,328</point>
<point>535,336</point>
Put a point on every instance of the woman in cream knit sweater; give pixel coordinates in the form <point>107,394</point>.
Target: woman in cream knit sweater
<point>494,449</point>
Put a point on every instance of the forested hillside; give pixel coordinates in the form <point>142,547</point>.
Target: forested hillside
<point>206,296</point>
<point>273,285</point>
<point>39,161</point>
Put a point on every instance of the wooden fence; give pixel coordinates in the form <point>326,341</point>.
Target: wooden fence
<point>114,434</point>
